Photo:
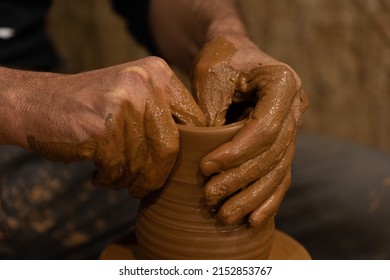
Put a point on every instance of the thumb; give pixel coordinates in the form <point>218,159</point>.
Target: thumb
<point>213,80</point>
<point>183,106</point>
<point>214,91</point>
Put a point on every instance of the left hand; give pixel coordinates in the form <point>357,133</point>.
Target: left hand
<point>258,159</point>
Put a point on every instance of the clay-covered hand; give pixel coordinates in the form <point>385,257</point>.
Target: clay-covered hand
<point>121,117</point>
<point>251,173</point>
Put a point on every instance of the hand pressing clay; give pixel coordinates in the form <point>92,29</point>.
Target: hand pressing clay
<point>252,170</point>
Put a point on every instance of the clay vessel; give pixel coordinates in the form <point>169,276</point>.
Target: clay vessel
<point>175,223</point>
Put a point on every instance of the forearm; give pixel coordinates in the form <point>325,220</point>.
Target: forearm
<point>181,27</point>
<point>16,95</point>
<point>10,106</point>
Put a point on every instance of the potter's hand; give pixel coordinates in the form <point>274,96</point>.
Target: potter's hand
<point>119,117</point>
<point>257,160</point>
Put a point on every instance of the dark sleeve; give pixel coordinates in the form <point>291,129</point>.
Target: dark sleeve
<point>136,14</point>
<point>23,41</point>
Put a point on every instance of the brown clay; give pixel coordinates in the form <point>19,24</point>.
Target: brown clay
<point>283,248</point>
<point>230,217</point>
<point>253,169</point>
<point>178,224</point>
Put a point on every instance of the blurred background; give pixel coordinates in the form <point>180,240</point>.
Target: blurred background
<point>340,49</point>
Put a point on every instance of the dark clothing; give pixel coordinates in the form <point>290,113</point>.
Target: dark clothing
<point>337,205</point>
<point>27,47</point>
<point>136,15</point>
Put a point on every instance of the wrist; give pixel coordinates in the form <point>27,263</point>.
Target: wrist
<point>191,26</point>
<point>228,26</point>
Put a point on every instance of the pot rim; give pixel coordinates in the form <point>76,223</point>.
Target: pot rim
<point>209,129</point>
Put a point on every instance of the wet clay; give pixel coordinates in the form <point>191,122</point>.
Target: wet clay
<point>230,217</point>
<point>176,222</point>
<point>122,118</point>
<point>255,166</point>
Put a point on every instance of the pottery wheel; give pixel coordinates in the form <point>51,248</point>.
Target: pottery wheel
<point>284,247</point>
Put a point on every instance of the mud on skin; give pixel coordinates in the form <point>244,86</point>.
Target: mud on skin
<point>257,160</point>
<point>121,117</point>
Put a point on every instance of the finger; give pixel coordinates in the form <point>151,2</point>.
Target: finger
<point>269,207</point>
<point>214,89</point>
<point>120,157</point>
<point>162,144</point>
<point>213,80</point>
<point>228,182</point>
<point>250,198</point>
<point>183,106</point>
<point>109,159</point>
<point>276,88</point>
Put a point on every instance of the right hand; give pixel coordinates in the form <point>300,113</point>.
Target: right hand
<point>251,173</point>
<point>119,117</point>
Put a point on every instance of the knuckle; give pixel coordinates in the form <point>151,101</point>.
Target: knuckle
<point>288,75</point>
<point>155,62</point>
<point>135,73</point>
<point>150,70</point>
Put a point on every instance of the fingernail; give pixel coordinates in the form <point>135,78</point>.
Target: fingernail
<point>213,195</point>
<point>210,167</point>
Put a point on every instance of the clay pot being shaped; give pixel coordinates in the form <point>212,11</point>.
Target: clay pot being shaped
<point>176,223</point>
